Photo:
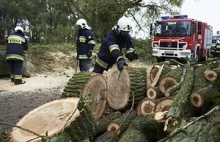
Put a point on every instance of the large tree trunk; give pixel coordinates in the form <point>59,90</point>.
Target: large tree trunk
<point>181,102</point>
<point>170,79</point>
<point>122,86</point>
<point>212,75</point>
<point>119,125</point>
<point>76,84</point>
<point>95,93</point>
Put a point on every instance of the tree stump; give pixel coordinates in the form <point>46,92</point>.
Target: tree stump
<point>95,93</point>
<point>76,84</point>
<point>122,86</point>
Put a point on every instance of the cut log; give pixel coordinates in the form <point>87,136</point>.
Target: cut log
<point>170,91</point>
<point>146,107</point>
<point>181,102</point>
<point>163,105</point>
<point>95,93</point>
<point>107,137</point>
<point>119,125</point>
<point>142,129</point>
<point>212,75</point>
<point>163,70</point>
<point>122,86</point>
<point>153,72</point>
<point>202,131</point>
<point>154,93</point>
<point>103,123</point>
<point>76,84</point>
<point>200,80</point>
<point>170,79</point>
<point>204,96</point>
<point>48,119</point>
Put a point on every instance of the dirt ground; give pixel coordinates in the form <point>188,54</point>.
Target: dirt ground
<point>17,100</point>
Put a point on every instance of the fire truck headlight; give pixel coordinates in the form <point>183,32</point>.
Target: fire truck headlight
<point>154,51</point>
<point>155,44</point>
<point>184,46</point>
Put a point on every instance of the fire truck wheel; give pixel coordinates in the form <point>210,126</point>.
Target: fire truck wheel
<point>160,59</point>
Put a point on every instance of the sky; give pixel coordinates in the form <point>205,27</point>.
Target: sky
<point>205,10</point>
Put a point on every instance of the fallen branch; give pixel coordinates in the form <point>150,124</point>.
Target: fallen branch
<point>184,127</point>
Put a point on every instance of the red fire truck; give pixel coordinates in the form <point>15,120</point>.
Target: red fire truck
<point>181,37</point>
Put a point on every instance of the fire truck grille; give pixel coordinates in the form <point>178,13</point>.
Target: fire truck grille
<point>171,45</point>
<point>168,44</point>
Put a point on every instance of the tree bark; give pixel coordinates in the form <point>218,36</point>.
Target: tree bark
<point>122,86</point>
<point>102,124</point>
<point>204,96</point>
<point>202,131</point>
<point>181,102</point>
<point>76,84</point>
<point>142,129</point>
<point>107,137</point>
<point>120,124</point>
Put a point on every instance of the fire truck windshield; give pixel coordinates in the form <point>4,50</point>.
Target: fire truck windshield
<point>177,28</point>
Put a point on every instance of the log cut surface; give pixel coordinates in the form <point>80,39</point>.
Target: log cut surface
<point>49,119</point>
<point>118,88</point>
<point>95,91</point>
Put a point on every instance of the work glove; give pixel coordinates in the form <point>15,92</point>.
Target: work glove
<point>89,54</point>
<point>132,56</point>
<point>121,63</point>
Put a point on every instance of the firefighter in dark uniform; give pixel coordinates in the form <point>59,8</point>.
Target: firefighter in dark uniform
<point>16,45</point>
<point>85,45</point>
<point>217,49</point>
<point>111,49</point>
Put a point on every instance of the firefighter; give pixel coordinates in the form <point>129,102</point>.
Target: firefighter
<point>15,54</point>
<point>85,44</point>
<point>111,49</point>
<point>217,49</point>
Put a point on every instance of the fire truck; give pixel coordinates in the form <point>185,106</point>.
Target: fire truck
<point>181,37</point>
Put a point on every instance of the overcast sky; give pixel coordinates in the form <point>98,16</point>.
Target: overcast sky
<point>204,10</point>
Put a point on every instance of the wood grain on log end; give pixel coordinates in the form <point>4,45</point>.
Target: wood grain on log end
<point>164,105</point>
<point>196,100</point>
<point>146,107</point>
<point>166,83</point>
<point>210,75</point>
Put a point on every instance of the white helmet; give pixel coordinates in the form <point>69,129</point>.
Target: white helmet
<point>19,28</point>
<point>82,23</point>
<point>124,24</point>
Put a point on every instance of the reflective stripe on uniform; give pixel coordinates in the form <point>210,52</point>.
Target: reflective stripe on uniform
<point>101,63</point>
<point>114,47</point>
<point>91,42</point>
<point>120,57</point>
<point>18,77</point>
<point>14,56</point>
<point>12,76</point>
<point>15,39</point>
<point>83,57</point>
<point>82,39</point>
<point>218,46</point>
<point>129,50</point>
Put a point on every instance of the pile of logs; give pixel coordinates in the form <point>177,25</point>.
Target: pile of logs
<point>179,105</point>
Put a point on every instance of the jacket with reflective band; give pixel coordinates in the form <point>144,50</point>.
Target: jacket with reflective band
<point>16,46</point>
<point>85,43</point>
<point>112,47</point>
